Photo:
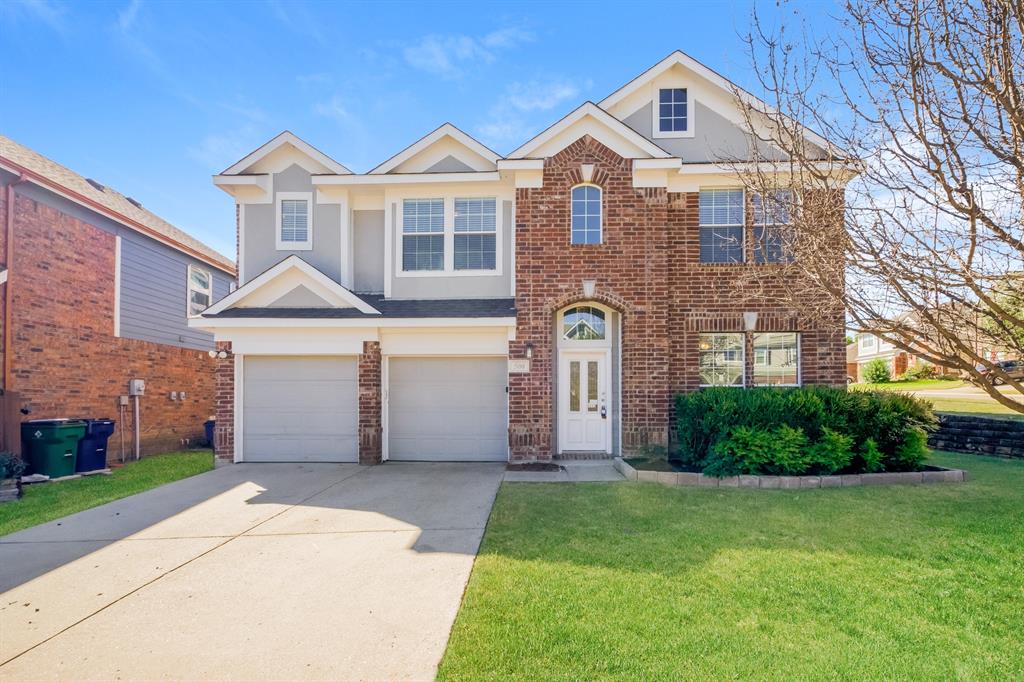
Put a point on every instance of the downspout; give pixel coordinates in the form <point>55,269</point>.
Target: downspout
<point>8,263</point>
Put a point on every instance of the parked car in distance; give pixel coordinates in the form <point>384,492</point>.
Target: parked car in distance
<point>1014,368</point>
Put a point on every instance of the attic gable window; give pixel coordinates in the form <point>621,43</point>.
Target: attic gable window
<point>673,116</point>
<point>294,221</point>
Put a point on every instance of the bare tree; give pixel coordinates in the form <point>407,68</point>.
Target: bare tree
<point>922,106</point>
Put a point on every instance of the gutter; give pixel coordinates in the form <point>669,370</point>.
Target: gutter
<point>8,292</point>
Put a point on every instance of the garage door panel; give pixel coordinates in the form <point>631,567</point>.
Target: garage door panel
<point>448,409</point>
<point>300,409</point>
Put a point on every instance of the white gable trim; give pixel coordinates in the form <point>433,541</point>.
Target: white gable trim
<point>681,58</point>
<point>603,117</point>
<point>286,138</point>
<point>446,130</point>
<point>263,286</point>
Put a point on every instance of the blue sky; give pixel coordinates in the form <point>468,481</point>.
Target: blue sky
<point>152,98</point>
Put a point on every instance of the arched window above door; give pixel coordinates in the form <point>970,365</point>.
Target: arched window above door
<point>583,323</point>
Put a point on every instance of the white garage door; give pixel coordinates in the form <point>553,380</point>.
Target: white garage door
<point>300,409</point>
<point>448,409</point>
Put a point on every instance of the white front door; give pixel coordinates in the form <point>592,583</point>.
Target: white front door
<point>584,404</point>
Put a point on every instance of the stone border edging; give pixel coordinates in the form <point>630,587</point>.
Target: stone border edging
<point>684,478</point>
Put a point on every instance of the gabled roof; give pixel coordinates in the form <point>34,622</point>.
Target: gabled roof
<point>286,138</point>
<point>612,124</point>
<point>44,172</point>
<point>445,130</point>
<point>682,59</point>
<point>309,277</point>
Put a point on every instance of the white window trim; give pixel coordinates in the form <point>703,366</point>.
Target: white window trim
<point>189,289</point>
<point>571,344</point>
<point>483,233</point>
<point>799,361</point>
<point>294,246</point>
<point>743,359</point>
<point>449,235</point>
<point>600,226</point>
<point>873,346</point>
<point>743,225</point>
<point>671,84</point>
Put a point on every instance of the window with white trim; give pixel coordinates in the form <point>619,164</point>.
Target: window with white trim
<point>868,342</point>
<point>294,221</point>
<point>720,359</point>
<point>777,359</point>
<point>422,234</point>
<point>586,214</point>
<point>583,323</point>
<point>773,220</point>
<point>200,290</point>
<point>721,226</point>
<point>476,232</point>
<point>672,110</point>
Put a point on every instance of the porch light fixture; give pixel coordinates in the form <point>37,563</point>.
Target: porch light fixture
<point>750,321</point>
<point>529,351</point>
<point>589,285</point>
<point>221,354</point>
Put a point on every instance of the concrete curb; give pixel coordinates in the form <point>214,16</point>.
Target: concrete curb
<point>690,479</point>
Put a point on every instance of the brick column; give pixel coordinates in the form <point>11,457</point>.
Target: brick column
<point>370,429</point>
<point>224,402</point>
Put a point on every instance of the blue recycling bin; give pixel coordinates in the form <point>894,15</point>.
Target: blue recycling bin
<point>208,426</point>
<point>92,449</point>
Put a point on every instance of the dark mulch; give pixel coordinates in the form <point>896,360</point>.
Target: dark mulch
<point>534,466</point>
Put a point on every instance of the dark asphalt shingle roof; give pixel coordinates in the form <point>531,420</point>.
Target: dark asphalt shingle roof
<point>389,308</point>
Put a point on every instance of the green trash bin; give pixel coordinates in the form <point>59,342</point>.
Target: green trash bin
<point>49,445</point>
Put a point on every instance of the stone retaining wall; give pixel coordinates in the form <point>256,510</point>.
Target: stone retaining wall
<point>684,478</point>
<point>979,435</point>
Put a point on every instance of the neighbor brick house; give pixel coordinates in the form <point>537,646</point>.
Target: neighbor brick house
<point>98,291</point>
<point>453,303</point>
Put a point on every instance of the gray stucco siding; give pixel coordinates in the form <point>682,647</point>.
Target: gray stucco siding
<point>368,251</point>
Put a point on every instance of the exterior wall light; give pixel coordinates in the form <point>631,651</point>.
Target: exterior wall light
<point>750,321</point>
<point>529,351</point>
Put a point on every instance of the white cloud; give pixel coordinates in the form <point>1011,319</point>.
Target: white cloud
<point>447,56</point>
<point>46,11</point>
<point>218,151</point>
<point>334,109</point>
<point>126,17</point>
<point>541,95</point>
<point>509,122</point>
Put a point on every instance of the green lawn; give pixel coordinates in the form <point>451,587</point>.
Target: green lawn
<point>642,581</point>
<point>981,407</point>
<point>44,502</point>
<point>921,385</point>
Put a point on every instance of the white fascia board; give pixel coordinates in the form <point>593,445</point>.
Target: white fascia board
<point>374,322</point>
<point>406,178</point>
<point>287,264</point>
<point>520,164</point>
<point>415,148</point>
<point>781,167</point>
<point>229,183</point>
<point>713,77</point>
<point>590,109</point>
<point>287,137</point>
<point>657,164</point>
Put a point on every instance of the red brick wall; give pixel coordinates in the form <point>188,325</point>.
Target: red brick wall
<point>224,397</point>
<point>648,269</point>
<point>370,428</point>
<point>66,360</point>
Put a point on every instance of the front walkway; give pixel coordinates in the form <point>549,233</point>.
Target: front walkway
<point>263,571</point>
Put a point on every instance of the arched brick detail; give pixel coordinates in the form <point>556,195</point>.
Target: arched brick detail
<point>603,297</point>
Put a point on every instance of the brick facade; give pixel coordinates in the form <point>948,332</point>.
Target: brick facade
<point>67,361</point>
<point>648,269</point>
<point>370,425</point>
<point>224,396</point>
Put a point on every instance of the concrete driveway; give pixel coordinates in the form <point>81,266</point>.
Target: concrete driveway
<point>259,571</point>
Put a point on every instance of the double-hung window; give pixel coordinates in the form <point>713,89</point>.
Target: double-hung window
<point>423,234</point>
<point>476,234</point>
<point>672,113</point>
<point>586,215</point>
<point>721,226</point>
<point>777,359</point>
<point>773,220</point>
<point>294,221</point>
<point>720,359</point>
<point>200,290</point>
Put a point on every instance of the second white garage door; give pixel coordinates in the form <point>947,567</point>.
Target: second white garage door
<point>448,409</point>
<point>300,409</point>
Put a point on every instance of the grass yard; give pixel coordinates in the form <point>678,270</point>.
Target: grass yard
<point>641,581</point>
<point>921,385</point>
<point>44,502</point>
<point>982,407</point>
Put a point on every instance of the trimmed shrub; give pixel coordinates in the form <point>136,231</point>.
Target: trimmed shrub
<point>876,372</point>
<point>918,372</point>
<point>727,431</point>
<point>11,466</point>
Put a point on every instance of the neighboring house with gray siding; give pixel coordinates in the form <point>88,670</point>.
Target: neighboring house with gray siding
<point>100,292</point>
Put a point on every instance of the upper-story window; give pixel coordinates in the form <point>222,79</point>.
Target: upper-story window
<point>200,290</point>
<point>673,116</point>
<point>295,221</point>
<point>423,234</point>
<point>773,220</point>
<point>586,214</point>
<point>476,230</point>
<point>868,342</point>
<point>721,226</point>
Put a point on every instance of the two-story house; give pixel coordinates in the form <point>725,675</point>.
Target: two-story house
<point>456,304</point>
<point>97,290</point>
